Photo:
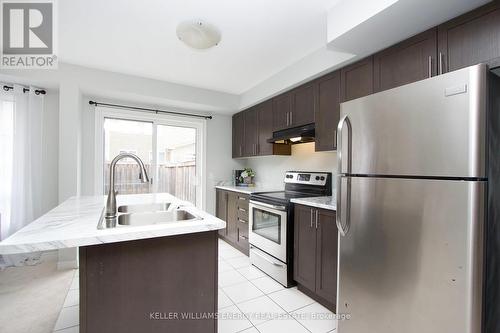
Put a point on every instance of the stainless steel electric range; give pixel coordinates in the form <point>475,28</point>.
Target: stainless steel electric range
<point>271,222</point>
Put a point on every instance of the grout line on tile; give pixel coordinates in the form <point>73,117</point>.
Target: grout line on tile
<point>297,309</point>
<point>66,328</point>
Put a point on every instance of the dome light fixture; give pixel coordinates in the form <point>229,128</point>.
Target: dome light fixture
<point>198,34</point>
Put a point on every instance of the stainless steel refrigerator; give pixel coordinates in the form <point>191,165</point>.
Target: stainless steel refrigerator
<point>412,207</point>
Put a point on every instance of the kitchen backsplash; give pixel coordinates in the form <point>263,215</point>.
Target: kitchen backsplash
<point>270,170</point>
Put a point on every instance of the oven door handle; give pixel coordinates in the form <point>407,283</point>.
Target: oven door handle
<point>258,203</point>
<point>266,259</point>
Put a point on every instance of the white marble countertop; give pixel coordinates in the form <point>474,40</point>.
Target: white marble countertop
<point>74,223</point>
<point>247,189</point>
<point>318,202</point>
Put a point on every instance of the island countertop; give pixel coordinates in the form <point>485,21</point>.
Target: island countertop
<point>74,223</point>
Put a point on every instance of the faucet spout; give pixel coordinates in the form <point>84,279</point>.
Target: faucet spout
<point>111,201</point>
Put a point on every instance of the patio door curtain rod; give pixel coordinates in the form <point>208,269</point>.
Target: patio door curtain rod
<point>37,91</point>
<point>157,111</point>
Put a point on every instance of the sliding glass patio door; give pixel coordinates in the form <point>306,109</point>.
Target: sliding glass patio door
<point>169,147</point>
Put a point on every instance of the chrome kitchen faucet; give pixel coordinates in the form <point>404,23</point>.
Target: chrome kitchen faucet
<point>111,202</point>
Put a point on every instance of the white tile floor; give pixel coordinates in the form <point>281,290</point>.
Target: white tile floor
<point>249,302</point>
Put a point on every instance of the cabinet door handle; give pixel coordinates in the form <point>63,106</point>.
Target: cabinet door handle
<point>430,66</point>
<point>335,138</point>
<point>244,237</point>
<point>316,218</point>
<point>242,221</point>
<point>312,212</point>
<point>440,63</point>
<point>287,119</point>
<point>291,117</point>
<point>242,209</point>
<point>242,198</point>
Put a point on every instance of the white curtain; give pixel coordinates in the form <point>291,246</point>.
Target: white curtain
<point>26,183</point>
<point>6,148</point>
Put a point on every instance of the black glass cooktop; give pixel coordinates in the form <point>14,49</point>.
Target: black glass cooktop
<point>280,196</point>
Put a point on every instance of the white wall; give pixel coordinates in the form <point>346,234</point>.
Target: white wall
<point>219,161</point>
<point>50,157</point>
<point>270,170</point>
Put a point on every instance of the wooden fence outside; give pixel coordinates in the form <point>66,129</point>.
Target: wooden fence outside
<point>178,180</point>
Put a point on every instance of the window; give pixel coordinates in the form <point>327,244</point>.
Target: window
<point>127,136</point>
<point>6,151</point>
<point>170,147</point>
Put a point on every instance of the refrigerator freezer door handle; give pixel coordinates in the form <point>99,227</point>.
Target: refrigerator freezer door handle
<point>344,121</point>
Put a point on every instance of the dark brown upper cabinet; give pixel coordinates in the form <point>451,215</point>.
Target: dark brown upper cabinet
<point>251,132</point>
<point>265,111</point>
<point>412,60</point>
<point>470,39</point>
<point>238,134</point>
<point>282,106</point>
<point>304,102</point>
<point>357,79</point>
<point>464,41</point>
<point>328,112</point>
<point>295,108</point>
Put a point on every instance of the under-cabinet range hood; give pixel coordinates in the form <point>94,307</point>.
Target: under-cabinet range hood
<point>301,134</point>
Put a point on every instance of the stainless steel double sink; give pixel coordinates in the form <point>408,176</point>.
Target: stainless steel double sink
<point>148,214</point>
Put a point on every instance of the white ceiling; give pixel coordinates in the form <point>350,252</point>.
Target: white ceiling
<point>259,38</point>
<point>267,46</point>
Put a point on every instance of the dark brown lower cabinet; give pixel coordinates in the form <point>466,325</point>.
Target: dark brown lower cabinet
<point>138,286</point>
<point>315,254</point>
<point>221,208</point>
<point>235,212</point>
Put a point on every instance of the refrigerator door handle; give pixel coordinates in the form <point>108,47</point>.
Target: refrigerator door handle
<point>343,227</point>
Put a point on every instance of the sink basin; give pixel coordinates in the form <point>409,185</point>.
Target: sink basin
<point>147,218</point>
<point>156,207</point>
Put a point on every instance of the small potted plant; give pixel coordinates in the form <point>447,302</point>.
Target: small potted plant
<point>247,176</point>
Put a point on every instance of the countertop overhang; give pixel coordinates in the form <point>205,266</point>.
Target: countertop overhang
<point>329,202</point>
<point>74,223</point>
<point>248,189</point>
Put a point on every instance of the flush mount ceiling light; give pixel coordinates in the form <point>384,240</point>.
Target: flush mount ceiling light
<point>198,34</point>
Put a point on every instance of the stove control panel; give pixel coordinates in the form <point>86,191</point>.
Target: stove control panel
<point>308,178</point>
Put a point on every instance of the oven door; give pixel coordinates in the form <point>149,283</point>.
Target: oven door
<point>268,228</point>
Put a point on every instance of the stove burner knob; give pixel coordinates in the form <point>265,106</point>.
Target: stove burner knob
<point>322,177</point>
<point>317,177</point>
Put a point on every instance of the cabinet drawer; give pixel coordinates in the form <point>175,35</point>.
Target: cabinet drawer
<point>242,201</point>
<point>243,213</point>
<point>243,226</point>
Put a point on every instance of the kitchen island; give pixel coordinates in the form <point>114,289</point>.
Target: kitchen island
<point>146,278</point>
